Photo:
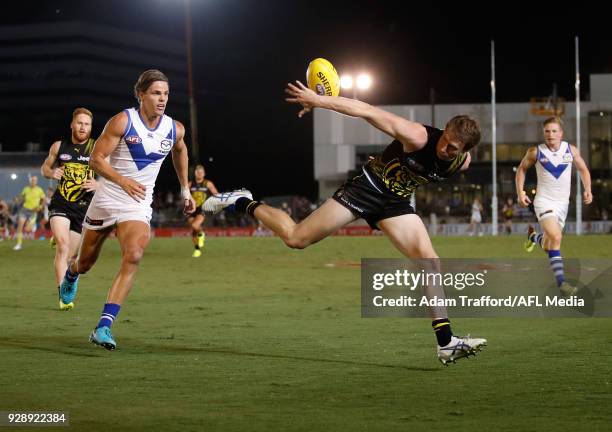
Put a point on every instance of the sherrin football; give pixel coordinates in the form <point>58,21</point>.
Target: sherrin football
<point>322,78</point>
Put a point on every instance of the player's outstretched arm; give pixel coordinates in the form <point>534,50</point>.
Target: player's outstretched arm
<point>528,161</point>
<point>412,135</point>
<point>213,189</point>
<point>180,160</point>
<point>585,175</point>
<point>49,169</point>
<point>105,145</point>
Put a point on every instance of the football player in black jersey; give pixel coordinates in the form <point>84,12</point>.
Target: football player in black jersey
<point>67,163</point>
<point>419,154</point>
<point>201,188</point>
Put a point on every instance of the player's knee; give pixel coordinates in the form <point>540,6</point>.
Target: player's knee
<point>62,247</point>
<point>555,240</point>
<point>297,242</point>
<point>133,255</point>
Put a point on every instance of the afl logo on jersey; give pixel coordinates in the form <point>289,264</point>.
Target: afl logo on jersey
<point>567,157</point>
<point>65,157</point>
<point>133,139</point>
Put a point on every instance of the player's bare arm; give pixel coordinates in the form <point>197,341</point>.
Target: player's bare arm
<point>585,175</point>
<point>212,188</point>
<point>180,160</point>
<point>105,145</point>
<point>49,168</point>
<point>412,135</point>
<point>528,161</point>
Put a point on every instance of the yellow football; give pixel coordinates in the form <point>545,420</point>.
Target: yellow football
<point>322,78</point>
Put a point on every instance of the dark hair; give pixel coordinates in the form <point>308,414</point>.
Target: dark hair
<point>465,129</point>
<point>147,78</point>
<point>550,120</point>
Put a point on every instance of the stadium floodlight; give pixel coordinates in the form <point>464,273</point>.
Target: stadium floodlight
<point>346,82</point>
<point>13,176</point>
<point>364,81</point>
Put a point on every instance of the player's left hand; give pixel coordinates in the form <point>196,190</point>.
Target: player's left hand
<point>189,206</point>
<point>588,197</point>
<point>90,185</point>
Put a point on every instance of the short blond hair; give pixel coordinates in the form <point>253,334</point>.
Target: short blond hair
<point>550,120</point>
<point>81,110</point>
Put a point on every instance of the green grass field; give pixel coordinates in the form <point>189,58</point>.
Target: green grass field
<point>257,337</point>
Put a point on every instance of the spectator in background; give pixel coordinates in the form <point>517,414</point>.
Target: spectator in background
<point>5,220</point>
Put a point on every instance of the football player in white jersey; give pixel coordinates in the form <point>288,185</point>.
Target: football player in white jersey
<point>128,156</point>
<point>553,160</point>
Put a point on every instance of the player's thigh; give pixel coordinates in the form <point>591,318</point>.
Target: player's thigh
<point>409,235</point>
<point>551,228</point>
<point>324,221</point>
<point>91,243</point>
<point>133,235</point>
<point>60,227</point>
<point>21,219</point>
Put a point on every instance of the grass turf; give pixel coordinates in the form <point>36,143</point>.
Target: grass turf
<point>254,336</point>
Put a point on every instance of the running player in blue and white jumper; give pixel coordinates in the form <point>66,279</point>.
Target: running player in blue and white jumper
<point>128,156</point>
<point>553,160</point>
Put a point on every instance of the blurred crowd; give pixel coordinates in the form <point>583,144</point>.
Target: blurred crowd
<point>167,212</point>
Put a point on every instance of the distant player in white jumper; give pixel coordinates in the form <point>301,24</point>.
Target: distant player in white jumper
<point>476,218</point>
<point>128,156</point>
<point>553,160</point>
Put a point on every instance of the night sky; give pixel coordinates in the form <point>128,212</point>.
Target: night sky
<point>245,51</point>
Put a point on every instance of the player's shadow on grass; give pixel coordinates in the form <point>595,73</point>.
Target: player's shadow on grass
<point>177,349</point>
<point>66,345</point>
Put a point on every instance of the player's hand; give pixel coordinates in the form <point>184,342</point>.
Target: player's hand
<point>133,188</point>
<point>90,185</point>
<point>58,173</point>
<point>588,196</point>
<point>524,200</point>
<point>189,205</point>
<point>303,95</point>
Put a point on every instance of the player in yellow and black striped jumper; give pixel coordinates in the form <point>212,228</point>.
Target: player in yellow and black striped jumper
<point>418,155</point>
<point>68,163</point>
<point>200,189</point>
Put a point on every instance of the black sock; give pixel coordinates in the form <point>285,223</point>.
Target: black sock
<point>443,331</point>
<point>245,205</point>
<point>197,246</point>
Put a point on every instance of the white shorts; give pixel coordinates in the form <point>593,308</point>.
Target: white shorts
<point>545,208</point>
<point>476,218</point>
<point>98,218</point>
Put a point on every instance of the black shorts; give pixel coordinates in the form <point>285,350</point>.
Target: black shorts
<point>74,212</point>
<point>365,201</point>
<point>196,212</point>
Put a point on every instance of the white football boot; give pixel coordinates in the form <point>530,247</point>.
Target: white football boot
<point>460,347</point>
<point>221,201</point>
